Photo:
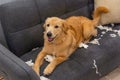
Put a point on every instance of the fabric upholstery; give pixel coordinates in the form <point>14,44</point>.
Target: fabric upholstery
<point>60,7</point>
<point>114,11</point>
<point>20,16</point>
<point>14,68</point>
<point>49,8</point>
<point>82,11</point>
<point>21,40</point>
<point>91,7</point>
<point>2,37</point>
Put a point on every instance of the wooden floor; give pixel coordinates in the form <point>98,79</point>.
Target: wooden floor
<point>114,75</point>
<point>1,78</point>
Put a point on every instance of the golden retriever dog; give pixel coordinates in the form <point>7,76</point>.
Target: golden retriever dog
<point>63,36</point>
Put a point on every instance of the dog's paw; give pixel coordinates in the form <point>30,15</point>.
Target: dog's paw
<point>43,78</point>
<point>83,45</point>
<point>48,70</point>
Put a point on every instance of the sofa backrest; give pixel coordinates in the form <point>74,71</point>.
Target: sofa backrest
<point>22,20</point>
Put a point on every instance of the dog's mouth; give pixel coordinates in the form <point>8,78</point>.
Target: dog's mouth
<point>50,39</point>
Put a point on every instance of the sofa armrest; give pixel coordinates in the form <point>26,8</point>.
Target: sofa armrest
<point>14,68</point>
<point>2,36</point>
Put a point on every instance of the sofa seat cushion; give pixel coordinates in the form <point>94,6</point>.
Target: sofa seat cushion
<point>83,64</point>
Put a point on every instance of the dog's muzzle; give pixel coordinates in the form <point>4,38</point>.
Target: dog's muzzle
<point>49,35</point>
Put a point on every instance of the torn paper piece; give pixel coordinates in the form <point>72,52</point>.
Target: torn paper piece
<point>107,28</point>
<point>101,35</point>
<point>103,32</point>
<point>49,58</point>
<point>30,63</point>
<point>113,35</point>
<point>43,78</point>
<point>112,25</point>
<point>118,32</point>
<point>115,31</point>
<point>96,67</point>
<point>95,41</point>
<point>104,28</point>
<point>100,27</point>
<point>99,38</point>
<point>83,45</point>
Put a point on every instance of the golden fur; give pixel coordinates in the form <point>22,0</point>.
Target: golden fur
<point>66,36</point>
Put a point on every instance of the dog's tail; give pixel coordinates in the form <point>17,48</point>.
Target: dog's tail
<point>97,14</point>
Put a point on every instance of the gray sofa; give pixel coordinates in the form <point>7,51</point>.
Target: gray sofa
<point>21,30</point>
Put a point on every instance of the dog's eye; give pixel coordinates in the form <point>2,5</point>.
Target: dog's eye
<point>56,26</point>
<point>48,25</point>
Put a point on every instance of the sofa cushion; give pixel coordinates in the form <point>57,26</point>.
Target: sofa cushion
<point>70,68</point>
<point>114,11</point>
<point>81,64</point>
<point>48,8</point>
<point>72,5</point>
<point>19,19</point>
<point>79,12</point>
<point>19,13</point>
<point>23,41</point>
<point>59,8</point>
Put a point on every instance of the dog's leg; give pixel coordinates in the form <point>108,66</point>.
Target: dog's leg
<point>88,31</point>
<point>49,69</point>
<point>39,61</point>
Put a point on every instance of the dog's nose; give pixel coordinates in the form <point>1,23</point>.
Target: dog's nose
<point>49,34</point>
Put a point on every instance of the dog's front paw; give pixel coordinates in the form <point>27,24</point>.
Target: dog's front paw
<point>48,70</point>
<point>83,45</point>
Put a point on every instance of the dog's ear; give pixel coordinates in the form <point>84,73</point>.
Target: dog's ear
<point>44,25</point>
<point>65,26</point>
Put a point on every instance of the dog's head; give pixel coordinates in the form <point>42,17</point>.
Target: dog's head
<point>54,27</point>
